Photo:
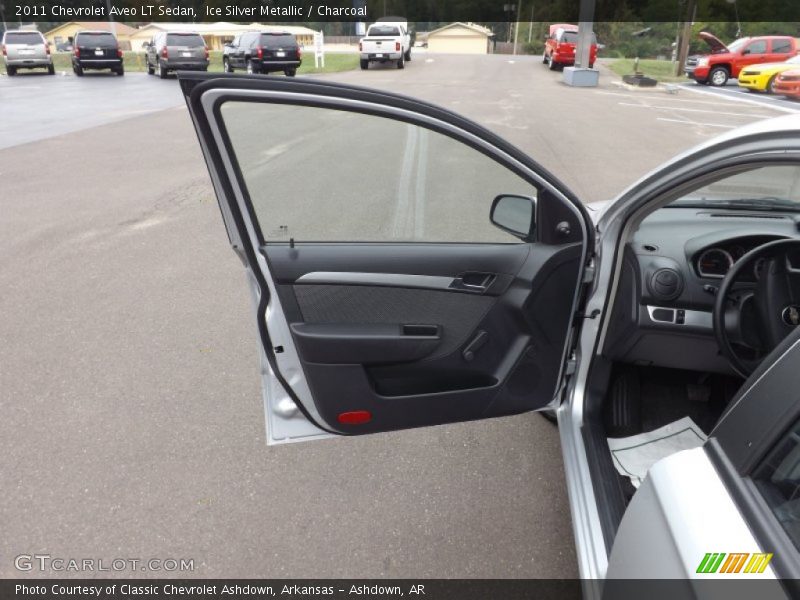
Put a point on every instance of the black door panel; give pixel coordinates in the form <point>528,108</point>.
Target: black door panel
<point>412,356</point>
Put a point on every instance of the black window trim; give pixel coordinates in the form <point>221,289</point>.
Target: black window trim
<point>744,437</point>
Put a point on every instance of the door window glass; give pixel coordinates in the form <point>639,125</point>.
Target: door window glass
<point>778,480</point>
<point>781,46</point>
<point>758,47</point>
<point>319,174</point>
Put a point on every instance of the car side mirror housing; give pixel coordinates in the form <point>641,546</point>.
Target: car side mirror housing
<point>515,215</point>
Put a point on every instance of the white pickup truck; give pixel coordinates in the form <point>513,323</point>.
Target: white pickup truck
<point>386,41</point>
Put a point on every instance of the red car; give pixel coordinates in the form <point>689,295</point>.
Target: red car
<point>725,62</point>
<point>788,84</point>
<point>559,46</point>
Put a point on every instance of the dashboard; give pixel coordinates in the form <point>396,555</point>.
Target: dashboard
<point>672,267</point>
<point>715,261</point>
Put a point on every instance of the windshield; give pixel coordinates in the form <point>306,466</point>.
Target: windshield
<point>767,188</point>
<point>383,30</point>
<point>14,37</point>
<point>571,37</point>
<point>737,45</point>
<point>190,40</point>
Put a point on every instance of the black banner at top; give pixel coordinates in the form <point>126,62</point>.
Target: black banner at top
<point>430,11</point>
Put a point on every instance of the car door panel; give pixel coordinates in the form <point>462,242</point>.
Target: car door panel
<point>380,335</point>
<point>425,345</point>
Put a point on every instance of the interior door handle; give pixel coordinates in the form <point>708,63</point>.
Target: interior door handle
<point>472,281</point>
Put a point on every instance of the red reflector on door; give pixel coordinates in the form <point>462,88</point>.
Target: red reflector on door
<point>356,417</point>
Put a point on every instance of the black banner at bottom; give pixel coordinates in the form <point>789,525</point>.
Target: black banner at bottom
<point>385,589</point>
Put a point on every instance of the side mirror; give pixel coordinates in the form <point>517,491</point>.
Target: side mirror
<point>515,214</point>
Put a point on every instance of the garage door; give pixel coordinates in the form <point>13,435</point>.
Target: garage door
<point>458,44</point>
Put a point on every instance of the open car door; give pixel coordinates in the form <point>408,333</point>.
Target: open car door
<point>385,297</point>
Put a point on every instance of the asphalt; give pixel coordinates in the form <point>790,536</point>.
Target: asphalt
<point>132,418</point>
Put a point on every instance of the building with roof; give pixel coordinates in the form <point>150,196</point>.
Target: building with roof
<point>461,38</point>
<point>216,35</point>
<point>65,32</point>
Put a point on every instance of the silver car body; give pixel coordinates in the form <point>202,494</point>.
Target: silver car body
<point>24,49</point>
<point>614,221</point>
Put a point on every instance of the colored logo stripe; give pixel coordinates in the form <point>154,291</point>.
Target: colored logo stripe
<point>713,562</point>
<point>734,563</point>
<point>710,562</point>
<point>758,563</point>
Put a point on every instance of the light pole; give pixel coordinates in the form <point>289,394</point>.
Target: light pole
<point>530,25</point>
<point>113,23</point>
<point>507,9</point>
<point>736,12</point>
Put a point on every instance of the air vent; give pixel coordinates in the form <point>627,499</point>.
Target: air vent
<point>666,284</point>
<point>746,216</point>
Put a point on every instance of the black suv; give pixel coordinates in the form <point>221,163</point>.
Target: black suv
<point>96,50</point>
<point>260,52</point>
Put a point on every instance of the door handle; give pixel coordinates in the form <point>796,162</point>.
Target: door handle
<point>473,281</point>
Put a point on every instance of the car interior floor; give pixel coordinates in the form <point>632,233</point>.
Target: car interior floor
<point>644,398</point>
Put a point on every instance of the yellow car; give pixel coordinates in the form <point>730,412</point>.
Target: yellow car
<point>762,77</point>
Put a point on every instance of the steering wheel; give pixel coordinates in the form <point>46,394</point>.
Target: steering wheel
<point>749,322</point>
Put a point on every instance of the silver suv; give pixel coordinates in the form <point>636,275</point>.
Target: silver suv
<point>26,50</point>
<point>176,51</point>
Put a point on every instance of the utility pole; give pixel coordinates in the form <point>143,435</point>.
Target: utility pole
<point>516,25</point>
<point>686,34</point>
<point>111,19</point>
<point>507,9</point>
<point>530,25</point>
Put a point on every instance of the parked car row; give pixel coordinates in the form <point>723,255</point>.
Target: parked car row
<point>254,52</point>
<point>766,63</point>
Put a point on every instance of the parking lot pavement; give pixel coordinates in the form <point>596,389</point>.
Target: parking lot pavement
<point>132,419</point>
<point>734,93</point>
<point>597,140</point>
<point>37,106</point>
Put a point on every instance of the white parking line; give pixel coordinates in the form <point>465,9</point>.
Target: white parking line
<point>695,110</point>
<point>696,123</point>
<point>735,97</point>
<point>659,97</point>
